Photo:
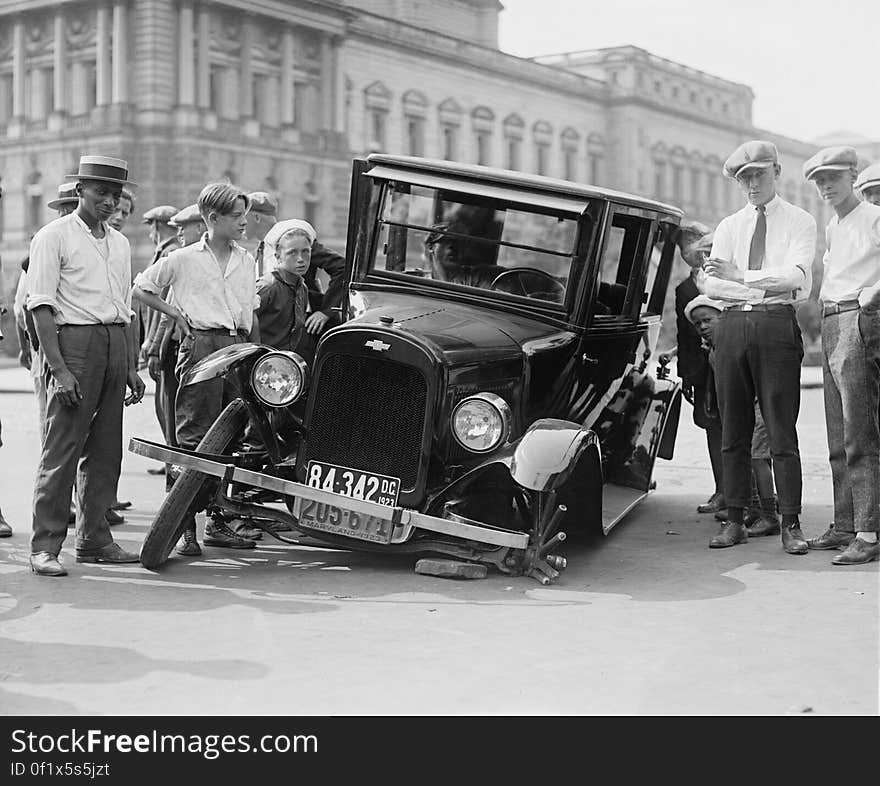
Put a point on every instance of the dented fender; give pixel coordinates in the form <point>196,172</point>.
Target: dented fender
<point>547,454</point>
<point>218,363</point>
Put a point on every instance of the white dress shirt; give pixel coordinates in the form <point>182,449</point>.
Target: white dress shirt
<point>84,280</point>
<point>786,275</point>
<point>209,297</point>
<point>852,259</point>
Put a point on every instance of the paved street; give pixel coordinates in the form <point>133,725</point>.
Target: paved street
<point>647,620</point>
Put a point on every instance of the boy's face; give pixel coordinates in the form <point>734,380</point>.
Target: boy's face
<point>121,214</point>
<point>704,319</point>
<point>872,195</point>
<point>759,183</point>
<point>98,198</point>
<point>231,225</point>
<point>293,253</point>
<point>834,186</point>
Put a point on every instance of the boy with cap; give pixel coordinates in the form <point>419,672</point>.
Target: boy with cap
<point>760,267</point>
<point>79,291</point>
<point>868,184</point>
<point>262,216</point>
<point>214,297</point>
<point>850,296</point>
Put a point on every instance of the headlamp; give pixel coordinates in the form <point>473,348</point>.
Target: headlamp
<point>481,423</point>
<point>279,378</point>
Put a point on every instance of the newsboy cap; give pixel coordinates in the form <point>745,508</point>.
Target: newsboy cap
<point>66,196</point>
<point>701,300</point>
<point>161,213</point>
<point>261,202</point>
<point>757,153</point>
<point>869,177</point>
<point>837,158</point>
<point>188,215</point>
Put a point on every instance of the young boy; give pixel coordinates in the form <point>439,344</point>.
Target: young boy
<point>850,296</point>
<point>868,184</point>
<point>214,286</point>
<point>703,313</point>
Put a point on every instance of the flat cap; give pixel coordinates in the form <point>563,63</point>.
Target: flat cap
<point>261,202</point>
<point>188,215</point>
<point>161,213</point>
<point>756,153</point>
<point>66,196</point>
<point>837,158</point>
<point>869,177</point>
<point>701,300</point>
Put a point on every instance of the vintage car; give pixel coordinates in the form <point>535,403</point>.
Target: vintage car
<point>490,385</point>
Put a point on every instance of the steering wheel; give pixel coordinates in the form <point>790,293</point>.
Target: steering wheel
<point>529,282</point>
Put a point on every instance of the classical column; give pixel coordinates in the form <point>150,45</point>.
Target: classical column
<point>338,86</point>
<point>18,72</point>
<point>59,65</point>
<point>186,77</point>
<point>287,84</point>
<point>102,56</point>
<point>327,79</point>
<point>38,93</point>
<point>120,53</point>
<point>204,57</point>
<point>246,71</point>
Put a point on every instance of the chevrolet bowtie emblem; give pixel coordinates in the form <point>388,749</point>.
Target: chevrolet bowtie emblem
<point>377,344</point>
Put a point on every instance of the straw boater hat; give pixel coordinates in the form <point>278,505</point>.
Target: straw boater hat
<point>111,170</point>
<point>66,196</point>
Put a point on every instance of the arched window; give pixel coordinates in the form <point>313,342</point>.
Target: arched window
<point>377,102</point>
<point>483,122</point>
<point>449,116</point>
<point>570,142</point>
<point>595,158</point>
<point>513,135</point>
<point>542,133</point>
<point>415,107</point>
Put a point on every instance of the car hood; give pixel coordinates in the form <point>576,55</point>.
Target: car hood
<point>458,333</point>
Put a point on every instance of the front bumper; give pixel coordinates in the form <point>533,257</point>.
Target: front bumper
<point>407,518</point>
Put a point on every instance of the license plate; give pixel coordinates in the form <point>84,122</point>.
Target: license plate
<point>354,483</point>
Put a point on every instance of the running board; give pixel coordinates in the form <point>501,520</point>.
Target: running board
<point>494,536</point>
<point>617,501</point>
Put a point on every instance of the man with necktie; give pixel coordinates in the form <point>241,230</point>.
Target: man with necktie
<point>760,267</point>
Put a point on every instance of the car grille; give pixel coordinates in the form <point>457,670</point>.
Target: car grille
<point>369,414</point>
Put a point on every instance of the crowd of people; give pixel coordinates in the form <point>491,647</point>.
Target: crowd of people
<point>740,351</point>
<point>86,329</point>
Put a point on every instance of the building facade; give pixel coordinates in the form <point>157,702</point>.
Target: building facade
<point>279,96</point>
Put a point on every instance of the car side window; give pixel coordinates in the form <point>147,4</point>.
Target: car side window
<point>622,269</point>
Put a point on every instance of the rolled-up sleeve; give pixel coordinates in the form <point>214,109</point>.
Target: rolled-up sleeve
<point>157,276</point>
<point>723,247</point>
<point>44,269</point>
<point>794,270</point>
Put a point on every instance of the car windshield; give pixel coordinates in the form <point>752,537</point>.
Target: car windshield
<point>475,242</point>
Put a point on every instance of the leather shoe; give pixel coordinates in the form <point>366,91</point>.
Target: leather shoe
<point>218,533</point>
<point>188,545</point>
<point>763,526</point>
<point>793,540</point>
<point>730,534</point>
<point>112,517</point>
<point>120,505</point>
<point>111,554</point>
<point>43,563</point>
<point>245,529</point>
<point>831,539</point>
<point>713,504</point>
<point>5,529</point>
<point>858,552</point>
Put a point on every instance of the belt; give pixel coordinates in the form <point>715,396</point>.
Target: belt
<point>760,307</point>
<point>219,331</point>
<point>836,308</point>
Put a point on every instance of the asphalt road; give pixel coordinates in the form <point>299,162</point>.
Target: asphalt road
<point>645,621</point>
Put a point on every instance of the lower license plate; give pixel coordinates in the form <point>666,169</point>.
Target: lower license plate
<point>380,489</point>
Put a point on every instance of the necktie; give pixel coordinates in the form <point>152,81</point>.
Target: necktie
<point>259,258</point>
<point>759,241</point>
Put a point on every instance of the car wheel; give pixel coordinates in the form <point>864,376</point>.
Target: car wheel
<point>171,518</point>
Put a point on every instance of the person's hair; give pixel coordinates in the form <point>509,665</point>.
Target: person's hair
<point>220,198</point>
<point>126,194</point>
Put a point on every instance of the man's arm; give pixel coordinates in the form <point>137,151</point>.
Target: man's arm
<point>794,269</point>
<point>65,383</point>
<point>721,270</point>
<point>156,302</point>
<point>333,265</point>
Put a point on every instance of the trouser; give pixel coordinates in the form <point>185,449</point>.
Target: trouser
<point>197,406</point>
<point>166,393</point>
<point>758,354</point>
<point>851,372</point>
<point>712,426</point>
<point>83,442</point>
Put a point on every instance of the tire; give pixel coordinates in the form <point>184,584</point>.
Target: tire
<point>171,518</point>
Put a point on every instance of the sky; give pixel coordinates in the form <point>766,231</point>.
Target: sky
<point>813,65</point>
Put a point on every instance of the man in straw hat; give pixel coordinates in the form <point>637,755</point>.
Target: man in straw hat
<point>82,313</point>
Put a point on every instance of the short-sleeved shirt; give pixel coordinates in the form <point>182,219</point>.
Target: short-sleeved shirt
<point>282,310</point>
<point>852,259</point>
<point>84,280</point>
<point>209,297</point>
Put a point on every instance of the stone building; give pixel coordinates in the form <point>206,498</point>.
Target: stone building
<point>279,96</point>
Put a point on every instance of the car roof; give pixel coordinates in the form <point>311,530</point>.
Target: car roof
<point>520,180</point>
